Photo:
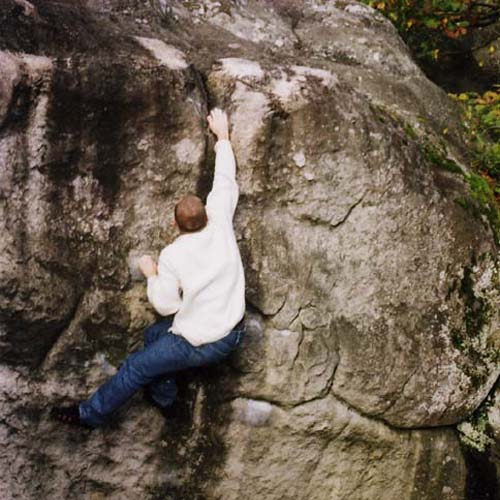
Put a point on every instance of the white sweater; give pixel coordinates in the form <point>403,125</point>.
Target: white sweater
<point>206,265</point>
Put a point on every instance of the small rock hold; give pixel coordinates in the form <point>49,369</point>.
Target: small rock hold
<point>28,8</point>
<point>254,413</point>
<point>299,159</point>
<point>133,264</point>
<point>105,366</point>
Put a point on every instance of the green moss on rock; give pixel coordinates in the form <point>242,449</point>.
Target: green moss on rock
<point>469,337</point>
<point>481,200</point>
<point>439,159</point>
<point>410,131</point>
<point>483,194</point>
<point>474,432</point>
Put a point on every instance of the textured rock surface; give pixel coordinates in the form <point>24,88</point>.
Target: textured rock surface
<point>327,446</point>
<point>372,294</point>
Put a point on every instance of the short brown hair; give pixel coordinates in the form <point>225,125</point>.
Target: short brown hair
<point>190,213</point>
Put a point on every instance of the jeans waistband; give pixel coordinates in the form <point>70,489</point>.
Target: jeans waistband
<point>240,325</point>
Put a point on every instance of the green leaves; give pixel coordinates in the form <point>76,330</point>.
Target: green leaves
<point>432,22</point>
<point>481,118</point>
<point>430,27</point>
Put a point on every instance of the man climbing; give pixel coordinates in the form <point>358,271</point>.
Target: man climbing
<point>199,284</point>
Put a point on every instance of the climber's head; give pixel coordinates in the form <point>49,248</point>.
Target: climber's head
<point>190,214</point>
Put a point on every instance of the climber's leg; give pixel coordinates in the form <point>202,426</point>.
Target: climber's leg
<point>163,390</point>
<point>166,355</point>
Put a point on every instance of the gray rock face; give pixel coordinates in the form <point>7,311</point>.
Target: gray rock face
<point>320,450</point>
<point>372,294</point>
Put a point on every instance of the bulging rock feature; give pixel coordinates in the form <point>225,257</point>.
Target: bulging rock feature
<point>166,54</point>
<point>372,294</point>
<point>316,443</point>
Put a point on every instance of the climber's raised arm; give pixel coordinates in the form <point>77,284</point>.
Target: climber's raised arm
<point>223,198</point>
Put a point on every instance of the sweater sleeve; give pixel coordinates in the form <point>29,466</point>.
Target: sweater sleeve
<point>223,198</point>
<point>163,289</point>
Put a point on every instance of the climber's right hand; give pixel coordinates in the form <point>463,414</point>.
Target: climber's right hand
<point>218,123</point>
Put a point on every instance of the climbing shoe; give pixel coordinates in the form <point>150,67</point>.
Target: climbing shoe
<point>168,412</point>
<point>68,415</point>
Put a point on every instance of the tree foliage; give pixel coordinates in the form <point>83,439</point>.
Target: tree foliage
<point>430,26</point>
<point>482,122</point>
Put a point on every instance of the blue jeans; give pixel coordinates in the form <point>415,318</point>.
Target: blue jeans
<point>164,353</point>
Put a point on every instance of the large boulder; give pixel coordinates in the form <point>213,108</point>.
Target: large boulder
<point>371,266</point>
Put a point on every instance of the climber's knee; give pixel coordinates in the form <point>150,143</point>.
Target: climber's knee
<point>151,333</point>
<point>135,371</point>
